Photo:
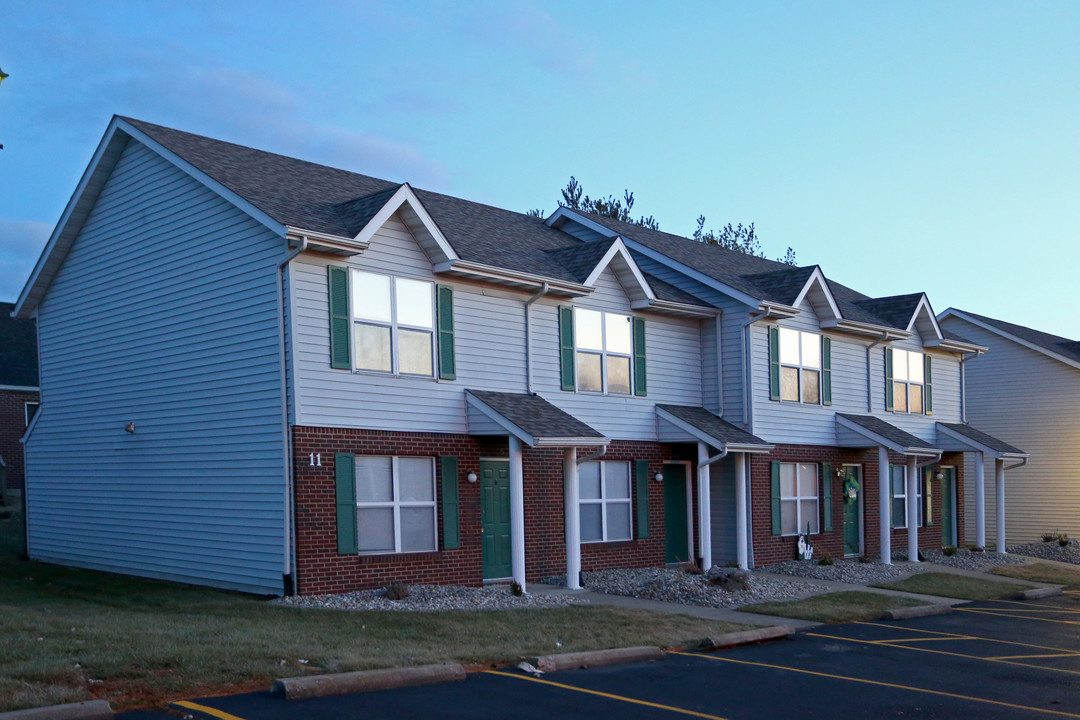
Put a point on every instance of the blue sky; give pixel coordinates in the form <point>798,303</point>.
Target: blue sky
<point>903,147</point>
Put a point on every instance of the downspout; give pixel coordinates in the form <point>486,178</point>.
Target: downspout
<point>963,384</point>
<point>288,577</point>
<point>528,336</point>
<point>1022,463</point>
<point>747,363</point>
<point>869,385</point>
<point>594,456</point>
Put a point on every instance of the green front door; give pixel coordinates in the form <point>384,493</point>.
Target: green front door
<point>948,507</point>
<point>495,518</point>
<point>852,526</point>
<point>675,514</point>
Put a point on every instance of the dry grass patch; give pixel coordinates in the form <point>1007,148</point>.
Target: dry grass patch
<point>956,586</point>
<point>69,635</point>
<point>1041,572</point>
<point>834,607</point>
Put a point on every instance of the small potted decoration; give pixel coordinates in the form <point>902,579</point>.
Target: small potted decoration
<point>851,490</point>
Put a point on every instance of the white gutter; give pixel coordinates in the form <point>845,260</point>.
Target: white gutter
<point>963,384</point>
<point>466,267</point>
<point>289,581</point>
<point>528,335</point>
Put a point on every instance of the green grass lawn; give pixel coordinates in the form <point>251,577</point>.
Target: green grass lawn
<point>68,635</point>
<point>956,586</point>
<point>834,607</point>
<point>1041,572</point>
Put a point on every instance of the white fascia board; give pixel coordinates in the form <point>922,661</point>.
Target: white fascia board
<point>956,346</point>
<point>676,308</point>
<point>951,312</point>
<point>819,277</point>
<point>33,424</point>
<point>706,438</point>
<point>564,213</point>
<point>694,274</point>
<point>870,435</point>
<point>405,194</point>
<point>854,326</point>
<point>967,444</point>
<point>499,419</point>
<point>619,248</point>
<point>572,442</point>
<point>324,241</point>
<point>20,388</point>
<point>924,306</point>
<point>480,270</point>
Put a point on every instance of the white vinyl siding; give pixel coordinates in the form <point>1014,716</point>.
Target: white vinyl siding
<point>164,314</point>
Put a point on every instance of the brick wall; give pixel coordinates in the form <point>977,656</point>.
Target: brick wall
<point>12,427</point>
<point>770,549</point>
<point>320,569</point>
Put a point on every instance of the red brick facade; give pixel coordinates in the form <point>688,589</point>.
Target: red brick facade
<point>12,427</point>
<point>320,569</point>
<point>770,549</point>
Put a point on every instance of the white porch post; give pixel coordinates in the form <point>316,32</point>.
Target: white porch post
<point>740,509</point>
<point>704,507</point>
<point>573,519</point>
<point>912,509</point>
<point>980,502</point>
<point>999,478</point>
<point>884,498</point>
<point>517,513</point>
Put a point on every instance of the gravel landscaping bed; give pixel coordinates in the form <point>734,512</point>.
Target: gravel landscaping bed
<point>678,586</point>
<point>1049,551</point>
<point>848,571</point>
<point>433,598</point>
<point>968,560</point>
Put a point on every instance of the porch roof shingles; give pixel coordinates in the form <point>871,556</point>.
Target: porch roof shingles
<point>712,425</point>
<point>535,415</point>
<point>982,438</point>
<point>887,431</point>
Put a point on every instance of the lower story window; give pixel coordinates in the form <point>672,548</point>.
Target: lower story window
<point>899,497</point>
<point>604,501</point>
<point>798,498</point>
<point>395,504</point>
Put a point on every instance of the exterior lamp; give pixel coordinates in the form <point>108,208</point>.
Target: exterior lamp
<point>471,477</point>
<point>658,477</point>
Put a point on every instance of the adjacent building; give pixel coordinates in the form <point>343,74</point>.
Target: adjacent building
<point>19,398</point>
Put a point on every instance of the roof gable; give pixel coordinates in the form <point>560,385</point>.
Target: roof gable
<point>406,205</point>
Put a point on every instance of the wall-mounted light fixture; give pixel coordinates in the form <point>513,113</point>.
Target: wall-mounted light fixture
<point>658,477</point>
<point>839,472</point>
<point>471,477</point>
<point>940,475</point>
<point>130,427</point>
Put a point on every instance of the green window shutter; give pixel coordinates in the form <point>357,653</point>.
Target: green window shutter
<point>338,281</point>
<point>775,491</point>
<point>640,387</point>
<point>566,347</point>
<point>445,312</point>
<point>826,486</point>
<point>826,371</point>
<point>451,523</point>
<point>345,496</point>
<point>928,390</point>
<point>641,486</point>
<point>888,380</point>
<point>774,363</point>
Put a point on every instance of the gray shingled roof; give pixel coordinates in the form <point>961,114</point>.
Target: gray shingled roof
<point>535,415</point>
<point>896,310</point>
<point>885,430</point>
<point>18,349</point>
<point>982,438</point>
<point>783,286</point>
<point>712,425</point>
<point>581,261</point>
<point>1054,343</point>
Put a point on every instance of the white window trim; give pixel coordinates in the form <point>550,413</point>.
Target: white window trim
<point>26,411</point>
<point>394,325</point>
<point>604,354</point>
<point>801,367</point>
<point>603,502</point>
<point>798,499</point>
<point>397,505</point>
<point>908,383</point>
<point>902,498</point>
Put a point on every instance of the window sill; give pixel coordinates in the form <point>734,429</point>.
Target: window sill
<point>609,543</point>
<point>393,557</point>
<point>380,374</point>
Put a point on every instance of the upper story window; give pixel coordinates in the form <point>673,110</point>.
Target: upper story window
<point>800,366</point>
<point>393,324</point>
<point>604,501</point>
<point>605,349</point>
<point>907,381</point>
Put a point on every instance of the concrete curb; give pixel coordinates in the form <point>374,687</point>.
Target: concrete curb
<point>89,710</point>
<point>597,658</point>
<point>365,681</point>
<point>1038,593</point>
<point>918,611</point>
<point>746,637</point>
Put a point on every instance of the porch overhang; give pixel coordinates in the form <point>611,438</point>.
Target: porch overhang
<point>679,423</point>
<point>961,437</point>
<point>529,418</point>
<point>862,431</point>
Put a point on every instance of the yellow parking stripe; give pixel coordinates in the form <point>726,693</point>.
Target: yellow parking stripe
<point>946,652</point>
<point>1029,604</point>
<point>998,613</point>
<point>610,696</point>
<point>880,683</point>
<point>911,640</point>
<point>1021,657</point>
<point>214,712</point>
<point>954,636</point>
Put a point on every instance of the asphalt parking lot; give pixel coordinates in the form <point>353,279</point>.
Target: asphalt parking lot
<point>995,659</point>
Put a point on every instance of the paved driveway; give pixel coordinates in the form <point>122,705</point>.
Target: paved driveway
<point>997,659</point>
